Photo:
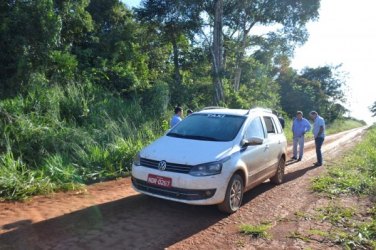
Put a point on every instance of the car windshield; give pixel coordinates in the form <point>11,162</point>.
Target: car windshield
<point>208,127</point>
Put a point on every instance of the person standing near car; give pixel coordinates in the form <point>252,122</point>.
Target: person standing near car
<point>319,134</point>
<point>177,116</point>
<point>300,126</point>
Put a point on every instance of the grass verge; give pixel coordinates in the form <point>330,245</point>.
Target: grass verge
<point>349,186</point>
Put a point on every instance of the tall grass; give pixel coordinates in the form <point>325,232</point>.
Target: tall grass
<point>19,182</point>
<point>58,138</point>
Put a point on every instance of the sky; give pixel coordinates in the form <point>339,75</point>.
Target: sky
<point>345,33</point>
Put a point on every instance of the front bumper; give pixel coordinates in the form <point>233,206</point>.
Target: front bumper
<point>176,193</point>
<point>185,188</point>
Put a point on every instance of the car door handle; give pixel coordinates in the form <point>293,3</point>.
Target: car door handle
<point>267,146</point>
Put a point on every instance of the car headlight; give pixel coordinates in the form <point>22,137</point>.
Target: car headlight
<point>137,160</point>
<point>211,168</point>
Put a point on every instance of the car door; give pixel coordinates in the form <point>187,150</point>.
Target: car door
<point>254,155</point>
<point>272,143</point>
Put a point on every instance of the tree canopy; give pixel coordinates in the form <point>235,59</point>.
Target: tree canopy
<point>200,52</point>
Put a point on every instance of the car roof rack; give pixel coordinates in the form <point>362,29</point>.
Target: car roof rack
<point>213,107</point>
<point>259,109</point>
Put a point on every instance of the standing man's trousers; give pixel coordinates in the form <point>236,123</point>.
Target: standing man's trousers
<point>298,141</point>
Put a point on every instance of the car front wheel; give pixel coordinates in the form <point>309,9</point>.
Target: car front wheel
<point>234,195</point>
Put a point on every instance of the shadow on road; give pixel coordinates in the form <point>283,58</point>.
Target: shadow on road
<point>266,186</point>
<point>135,222</point>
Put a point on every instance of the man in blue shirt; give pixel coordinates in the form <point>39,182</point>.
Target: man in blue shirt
<point>300,126</point>
<point>177,117</point>
<point>319,134</point>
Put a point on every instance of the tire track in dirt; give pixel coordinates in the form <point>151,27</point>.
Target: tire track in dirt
<point>112,215</point>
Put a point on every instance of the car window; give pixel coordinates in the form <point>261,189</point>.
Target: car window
<point>208,127</point>
<point>255,129</point>
<point>269,125</point>
<point>278,125</point>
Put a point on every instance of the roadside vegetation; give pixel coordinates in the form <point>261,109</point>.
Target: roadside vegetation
<point>355,173</point>
<point>340,125</point>
<point>349,216</point>
<point>60,138</point>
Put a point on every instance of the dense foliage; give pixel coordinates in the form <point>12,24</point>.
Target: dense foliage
<point>84,84</point>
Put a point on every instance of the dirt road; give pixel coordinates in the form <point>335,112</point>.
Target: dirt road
<point>111,215</point>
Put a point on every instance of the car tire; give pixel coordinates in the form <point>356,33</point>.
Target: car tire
<point>234,195</point>
<point>279,175</point>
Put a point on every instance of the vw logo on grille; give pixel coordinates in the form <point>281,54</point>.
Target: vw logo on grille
<point>162,165</point>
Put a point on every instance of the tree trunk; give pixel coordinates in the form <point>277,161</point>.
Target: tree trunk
<point>237,75</point>
<point>177,75</point>
<point>240,57</point>
<point>217,53</point>
<point>238,63</point>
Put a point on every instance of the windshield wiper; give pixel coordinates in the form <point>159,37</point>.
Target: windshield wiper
<point>200,137</point>
<point>176,135</point>
<point>194,137</point>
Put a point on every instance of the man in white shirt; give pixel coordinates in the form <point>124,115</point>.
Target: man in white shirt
<point>319,134</point>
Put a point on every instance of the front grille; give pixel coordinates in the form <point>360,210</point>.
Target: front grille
<point>171,167</point>
<point>177,193</point>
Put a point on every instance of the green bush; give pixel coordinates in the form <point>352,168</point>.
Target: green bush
<point>17,181</point>
<point>60,137</point>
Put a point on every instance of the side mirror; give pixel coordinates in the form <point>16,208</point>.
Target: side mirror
<point>252,141</point>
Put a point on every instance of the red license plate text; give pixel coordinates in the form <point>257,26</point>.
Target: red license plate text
<point>159,180</point>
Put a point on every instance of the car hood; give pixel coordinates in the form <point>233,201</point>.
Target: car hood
<point>186,151</point>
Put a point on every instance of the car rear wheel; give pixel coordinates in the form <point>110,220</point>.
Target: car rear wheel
<point>234,195</point>
<point>279,175</point>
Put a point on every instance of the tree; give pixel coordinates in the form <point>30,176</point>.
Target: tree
<point>331,81</point>
<point>243,16</point>
<point>373,109</point>
<point>176,20</point>
<point>217,52</point>
<point>111,52</point>
<point>319,89</point>
<point>76,21</point>
<point>29,31</point>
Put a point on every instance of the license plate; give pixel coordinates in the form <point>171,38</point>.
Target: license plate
<point>159,180</point>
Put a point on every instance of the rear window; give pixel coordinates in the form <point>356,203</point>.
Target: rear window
<point>278,126</point>
<point>269,125</point>
<point>208,127</point>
